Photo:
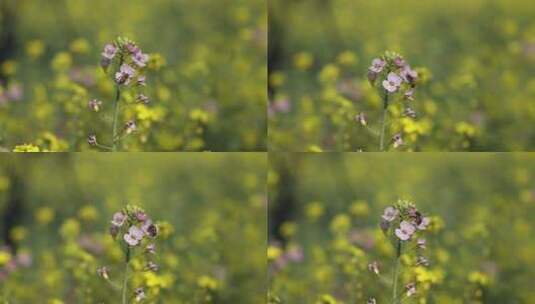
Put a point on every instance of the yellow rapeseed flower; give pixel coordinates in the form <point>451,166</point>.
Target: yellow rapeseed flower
<point>18,233</point>
<point>62,62</point>
<point>347,58</point>
<point>70,229</point>
<point>340,224</point>
<point>88,213</point>
<point>329,74</point>
<point>44,215</point>
<point>359,208</point>
<point>314,210</point>
<point>277,79</point>
<point>9,67</point>
<point>35,48</point>
<point>273,253</point>
<point>80,46</point>
<point>478,277</point>
<point>303,60</point>
<point>5,257</point>
<point>288,229</point>
<point>208,283</point>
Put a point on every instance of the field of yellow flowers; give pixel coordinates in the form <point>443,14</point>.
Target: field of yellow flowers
<point>60,215</point>
<point>327,212</point>
<point>205,75</point>
<point>474,61</point>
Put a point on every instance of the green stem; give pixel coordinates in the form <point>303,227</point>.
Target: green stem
<point>125,279</point>
<point>396,273</point>
<point>115,118</point>
<point>383,123</point>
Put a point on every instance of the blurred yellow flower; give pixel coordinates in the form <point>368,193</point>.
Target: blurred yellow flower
<point>329,74</point>
<point>340,224</point>
<point>156,61</point>
<point>314,210</point>
<point>62,62</point>
<point>242,14</point>
<point>5,257</point>
<point>327,299</point>
<point>35,48</point>
<point>88,213</point>
<point>4,183</point>
<point>303,60</point>
<point>208,283</point>
<point>44,215</point>
<point>478,277</point>
<point>359,208</point>
<point>288,229</point>
<point>466,129</point>
<point>314,149</point>
<point>70,229</point>
<point>165,229</point>
<point>347,58</point>
<point>80,46</point>
<point>18,233</point>
<point>273,253</point>
<point>277,79</point>
<point>9,67</point>
<point>199,115</point>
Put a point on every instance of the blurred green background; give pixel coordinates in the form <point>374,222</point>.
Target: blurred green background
<point>327,208</point>
<point>57,208</point>
<point>208,80</point>
<point>478,57</point>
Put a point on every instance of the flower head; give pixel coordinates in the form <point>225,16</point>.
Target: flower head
<point>118,219</point>
<point>409,75</point>
<point>140,59</point>
<point>425,221</point>
<point>150,229</point>
<point>125,74</point>
<point>132,48</point>
<point>392,82</point>
<point>400,62</point>
<point>142,216</point>
<point>390,214</point>
<point>134,236</point>
<point>377,65</point>
<point>109,51</point>
<point>405,231</point>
